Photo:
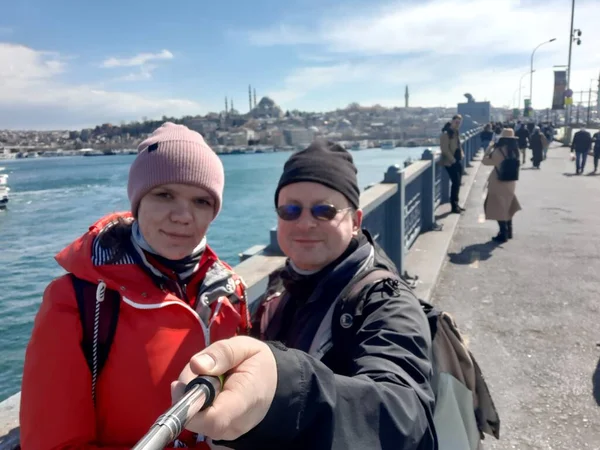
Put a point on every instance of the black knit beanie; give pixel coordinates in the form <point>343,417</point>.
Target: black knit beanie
<point>326,163</point>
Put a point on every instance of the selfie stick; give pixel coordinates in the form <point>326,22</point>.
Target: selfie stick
<point>199,394</point>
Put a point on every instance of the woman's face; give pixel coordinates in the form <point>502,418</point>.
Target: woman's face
<point>173,218</point>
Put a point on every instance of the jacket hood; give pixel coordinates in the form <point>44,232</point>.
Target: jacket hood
<point>85,259</point>
<point>76,258</point>
<point>448,129</point>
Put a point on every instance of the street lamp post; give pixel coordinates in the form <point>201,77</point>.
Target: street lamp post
<point>531,73</point>
<point>513,96</point>
<point>520,86</point>
<point>568,110</point>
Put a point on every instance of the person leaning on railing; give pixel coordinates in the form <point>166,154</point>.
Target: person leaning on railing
<point>451,158</point>
<point>154,271</point>
<point>325,378</point>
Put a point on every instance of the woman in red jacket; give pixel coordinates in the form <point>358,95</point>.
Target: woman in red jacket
<point>173,298</point>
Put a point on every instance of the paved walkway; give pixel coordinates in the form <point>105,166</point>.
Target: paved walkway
<point>531,307</point>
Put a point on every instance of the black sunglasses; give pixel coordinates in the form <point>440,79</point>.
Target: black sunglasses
<point>319,212</point>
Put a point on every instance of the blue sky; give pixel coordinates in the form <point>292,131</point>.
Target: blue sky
<point>71,64</point>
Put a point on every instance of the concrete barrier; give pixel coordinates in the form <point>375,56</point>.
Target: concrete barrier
<point>397,212</point>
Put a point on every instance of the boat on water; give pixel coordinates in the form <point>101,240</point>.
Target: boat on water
<point>4,189</point>
<point>359,145</point>
<point>387,145</point>
<point>99,153</point>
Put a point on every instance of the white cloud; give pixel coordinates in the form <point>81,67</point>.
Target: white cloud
<point>142,61</point>
<point>32,95</point>
<point>23,63</point>
<point>137,60</point>
<point>144,73</point>
<point>283,34</point>
<point>441,48</point>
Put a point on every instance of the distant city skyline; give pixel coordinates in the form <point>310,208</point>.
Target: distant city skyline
<point>74,65</point>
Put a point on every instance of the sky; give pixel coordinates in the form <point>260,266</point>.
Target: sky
<point>73,64</point>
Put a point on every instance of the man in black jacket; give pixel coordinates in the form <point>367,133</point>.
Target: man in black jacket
<point>299,390</point>
<point>582,143</point>
<point>522,134</point>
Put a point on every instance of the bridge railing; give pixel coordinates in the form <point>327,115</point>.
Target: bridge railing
<point>395,211</point>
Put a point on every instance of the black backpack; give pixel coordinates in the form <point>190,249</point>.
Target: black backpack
<point>99,318</point>
<point>509,168</point>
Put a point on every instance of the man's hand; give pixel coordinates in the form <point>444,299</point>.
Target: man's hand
<point>249,389</point>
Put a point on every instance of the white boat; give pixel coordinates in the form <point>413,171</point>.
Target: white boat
<point>3,190</point>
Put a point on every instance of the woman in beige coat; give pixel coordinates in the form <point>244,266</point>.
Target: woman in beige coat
<point>501,203</point>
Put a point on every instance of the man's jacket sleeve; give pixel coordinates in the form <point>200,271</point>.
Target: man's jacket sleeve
<point>386,404</point>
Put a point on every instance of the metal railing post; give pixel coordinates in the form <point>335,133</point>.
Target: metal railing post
<point>470,149</point>
<point>395,227</point>
<point>463,139</point>
<point>428,192</point>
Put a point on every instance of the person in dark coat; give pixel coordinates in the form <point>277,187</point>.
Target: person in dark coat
<point>298,390</point>
<point>522,134</point>
<point>538,143</point>
<point>486,136</point>
<point>549,133</point>
<point>581,145</point>
<point>596,140</point>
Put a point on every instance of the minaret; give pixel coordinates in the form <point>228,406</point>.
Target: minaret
<point>255,97</point>
<point>231,105</point>
<point>225,104</point>
<point>406,97</point>
<point>250,98</point>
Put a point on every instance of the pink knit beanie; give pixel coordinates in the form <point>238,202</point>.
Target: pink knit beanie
<point>175,154</point>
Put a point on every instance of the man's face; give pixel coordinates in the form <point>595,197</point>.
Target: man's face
<point>312,243</point>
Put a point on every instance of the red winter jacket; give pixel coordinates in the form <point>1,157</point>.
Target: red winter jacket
<point>156,336</point>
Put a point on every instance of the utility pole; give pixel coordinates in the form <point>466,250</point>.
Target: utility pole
<point>589,105</point>
<point>579,106</point>
<point>568,111</point>
<point>598,99</point>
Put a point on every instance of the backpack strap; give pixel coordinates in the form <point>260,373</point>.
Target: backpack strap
<point>99,314</point>
<point>347,315</point>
